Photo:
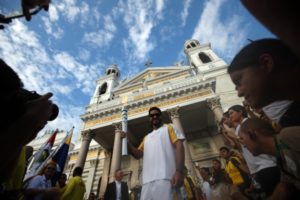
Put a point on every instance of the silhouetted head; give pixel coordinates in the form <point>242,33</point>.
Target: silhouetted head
<point>256,68</point>
<point>77,171</point>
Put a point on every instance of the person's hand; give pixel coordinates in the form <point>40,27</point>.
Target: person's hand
<point>123,134</point>
<point>37,113</point>
<point>27,5</point>
<point>229,131</point>
<point>226,127</point>
<point>225,134</point>
<point>177,179</point>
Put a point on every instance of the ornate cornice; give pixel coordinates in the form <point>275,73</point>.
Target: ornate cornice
<point>214,103</point>
<point>147,97</point>
<point>117,126</point>
<point>87,135</point>
<point>173,112</point>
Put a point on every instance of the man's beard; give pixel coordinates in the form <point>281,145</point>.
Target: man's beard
<point>156,122</point>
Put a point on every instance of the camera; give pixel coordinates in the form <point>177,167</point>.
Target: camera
<point>23,96</point>
<point>13,106</point>
<point>14,98</point>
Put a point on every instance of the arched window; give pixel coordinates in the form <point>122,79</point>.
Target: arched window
<point>193,44</point>
<point>103,88</point>
<point>188,46</point>
<point>204,58</point>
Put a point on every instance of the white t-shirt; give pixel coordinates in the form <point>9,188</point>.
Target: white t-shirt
<point>159,154</point>
<point>206,189</point>
<point>256,163</point>
<point>276,109</point>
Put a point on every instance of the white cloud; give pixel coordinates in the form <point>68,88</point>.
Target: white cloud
<point>69,9</point>
<point>21,49</point>
<point>140,17</point>
<point>185,11</point>
<point>96,14</point>
<point>109,24</point>
<point>159,6</point>
<point>226,35</point>
<point>53,15</point>
<point>101,38</point>
<point>51,22</point>
<point>84,54</point>
<point>49,26</point>
<point>73,10</point>
<point>84,74</point>
<point>61,74</point>
<point>84,13</point>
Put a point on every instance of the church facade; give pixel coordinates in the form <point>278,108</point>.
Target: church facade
<point>192,97</point>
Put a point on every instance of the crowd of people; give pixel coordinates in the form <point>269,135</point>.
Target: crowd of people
<point>261,156</point>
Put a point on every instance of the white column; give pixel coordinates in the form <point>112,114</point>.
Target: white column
<point>91,176</point>
<point>105,174</point>
<point>134,166</point>
<point>85,144</point>
<point>174,115</point>
<point>116,154</point>
<point>215,106</point>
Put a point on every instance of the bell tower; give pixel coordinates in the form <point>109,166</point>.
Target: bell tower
<point>199,56</point>
<point>106,85</point>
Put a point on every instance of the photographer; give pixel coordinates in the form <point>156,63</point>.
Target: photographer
<point>23,115</point>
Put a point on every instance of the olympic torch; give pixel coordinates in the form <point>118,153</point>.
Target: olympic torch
<point>124,128</point>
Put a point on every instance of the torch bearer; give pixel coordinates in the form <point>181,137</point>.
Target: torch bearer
<point>124,128</point>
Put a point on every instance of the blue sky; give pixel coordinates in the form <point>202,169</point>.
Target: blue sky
<point>68,48</point>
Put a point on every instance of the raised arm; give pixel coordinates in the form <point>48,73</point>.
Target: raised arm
<point>135,152</point>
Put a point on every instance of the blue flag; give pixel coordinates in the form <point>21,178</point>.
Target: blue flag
<point>61,155</point>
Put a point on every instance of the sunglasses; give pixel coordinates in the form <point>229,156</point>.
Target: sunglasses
<point>51,168</point>
<point>155,114</point>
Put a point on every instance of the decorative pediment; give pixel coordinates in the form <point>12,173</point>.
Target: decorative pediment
<point>150,74</point>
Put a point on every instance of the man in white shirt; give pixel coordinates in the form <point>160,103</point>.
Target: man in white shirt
<point>40,186</point>
<point>163,158</point>
<point>117,190</point>
<point>207,179</point>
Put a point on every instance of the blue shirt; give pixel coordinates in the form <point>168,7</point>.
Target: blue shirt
<point>39,182</point>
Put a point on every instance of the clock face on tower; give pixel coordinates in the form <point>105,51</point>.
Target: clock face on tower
<point>103,88</point>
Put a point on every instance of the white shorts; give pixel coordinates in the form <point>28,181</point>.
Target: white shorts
<point>157,190</point>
